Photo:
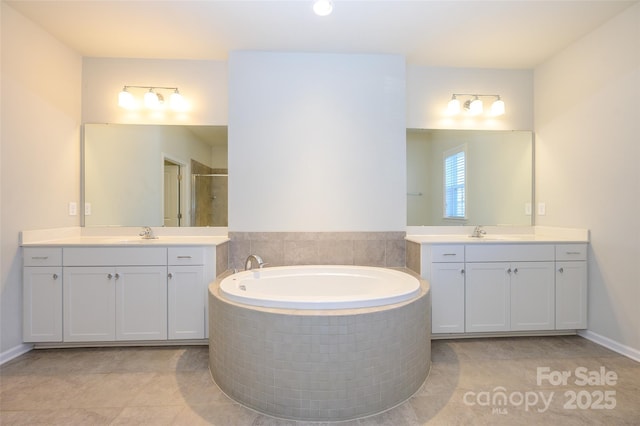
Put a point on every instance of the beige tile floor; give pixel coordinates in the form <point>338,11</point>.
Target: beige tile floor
<point>172,386</point>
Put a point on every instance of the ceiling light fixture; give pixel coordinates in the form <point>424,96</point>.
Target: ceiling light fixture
<point>474,105</point>
<point>322,7</point>
<point>152,99</point>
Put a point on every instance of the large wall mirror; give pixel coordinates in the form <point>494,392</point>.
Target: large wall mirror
<point>469,177</point>
<point>154,175</point>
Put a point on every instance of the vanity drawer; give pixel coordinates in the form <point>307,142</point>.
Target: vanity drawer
<point>447,253</point>
<point>510,252</point>
<point>42,256</point>
<point>114,256</point>
<point>186,256</point>
<point>571,252</point>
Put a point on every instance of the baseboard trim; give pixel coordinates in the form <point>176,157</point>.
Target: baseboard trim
<point>608,343</point>
<point>14,352</point>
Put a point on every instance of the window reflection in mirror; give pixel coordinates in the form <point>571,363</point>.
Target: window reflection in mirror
<point>498,178</point>
<point>143,175</point>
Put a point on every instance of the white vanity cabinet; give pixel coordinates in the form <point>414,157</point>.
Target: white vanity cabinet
<point>446,275</point>
<point>106,289</point>
<point>42,294</point>
<point>510,287</point>
<point>115,293</point>
<point>187,288</point>
<point>571,286</point>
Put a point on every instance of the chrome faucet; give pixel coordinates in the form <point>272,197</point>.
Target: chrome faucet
<point>248,264</point>
<point>478,232</point>
<point>147,233</point>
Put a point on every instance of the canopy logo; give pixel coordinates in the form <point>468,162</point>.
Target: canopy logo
<point>583,398</point>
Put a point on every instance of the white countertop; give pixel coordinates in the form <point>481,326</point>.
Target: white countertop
<point>498,235</point>
<point>131,241</point>
<point>124,237</point>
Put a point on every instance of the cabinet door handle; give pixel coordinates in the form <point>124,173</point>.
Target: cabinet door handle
<point>117,276</point>
<point>462,271</point>
<point>515,271</point>
<point>39,257</point>
<point>509,271</point>
<point>170,275</point>
<point>573,252</point>
<point>55,276</point>
<point>184,257</point>
<point>561,270</point>
<point>110,276</point>
<point>449,254</point>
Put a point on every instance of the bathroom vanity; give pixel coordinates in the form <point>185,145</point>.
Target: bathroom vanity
<point>504,284</point>
<point>107,289</point>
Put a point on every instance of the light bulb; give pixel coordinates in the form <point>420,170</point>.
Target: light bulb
<point>454,105</point>
<point>151,99</point>
<point>323,7</point>
<point>177,102</point>
<point>475,107</point>
<point>125,99</point>
<point>497,107</point>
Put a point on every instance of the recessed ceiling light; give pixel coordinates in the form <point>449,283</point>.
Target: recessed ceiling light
<point>323,7</point>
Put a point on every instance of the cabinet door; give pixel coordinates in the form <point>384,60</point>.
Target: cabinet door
<point>141,303</point>
<point>447,297</point>
<point>532,296</point>
<point>487,299</point>
<point>42,304</point>
<point>187,298</point>
<point>89,304</point>
<point>571,295</point>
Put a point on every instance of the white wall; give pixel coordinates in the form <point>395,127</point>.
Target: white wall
<point>203,84</point>
<point>316,142</point>
<point>587,150</point>
<point>40,150</point>
<point>429,89</point>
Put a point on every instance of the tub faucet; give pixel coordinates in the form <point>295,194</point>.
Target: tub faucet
<point>248,264</point>
<point>478,232</point>
<point>147,233</point>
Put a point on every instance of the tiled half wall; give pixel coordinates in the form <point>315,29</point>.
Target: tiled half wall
<point>385,249</point>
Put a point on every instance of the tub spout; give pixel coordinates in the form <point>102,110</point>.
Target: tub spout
<point>248,264</point>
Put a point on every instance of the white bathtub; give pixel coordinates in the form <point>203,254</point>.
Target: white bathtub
<point>320,287</point>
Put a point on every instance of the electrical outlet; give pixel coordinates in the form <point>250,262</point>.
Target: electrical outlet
<point>73,208</point>
<point>542,209</point>
<point>87,209</point>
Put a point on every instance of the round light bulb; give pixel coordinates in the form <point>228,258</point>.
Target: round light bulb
<point>125,99</point>
<point>151,99</point>
<point>453,106</point>
<point>475,107</point>
<point>323,7</point>
<point>177,102</point>
<point>497,108</point>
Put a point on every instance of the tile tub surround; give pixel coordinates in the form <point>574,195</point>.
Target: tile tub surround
<point>386,249</point>
<point>324,365</point>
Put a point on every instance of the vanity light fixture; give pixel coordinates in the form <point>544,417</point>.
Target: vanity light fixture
<point>153,99</point>
<point>474,105</point>
<point>322,7</point>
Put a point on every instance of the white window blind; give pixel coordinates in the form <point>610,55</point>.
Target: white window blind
<point>454,183</point>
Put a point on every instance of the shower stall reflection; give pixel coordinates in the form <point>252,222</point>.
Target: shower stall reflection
<point>209,198</point>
